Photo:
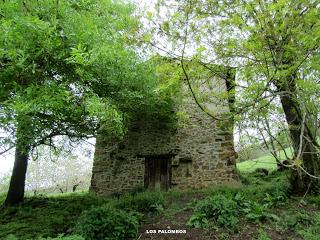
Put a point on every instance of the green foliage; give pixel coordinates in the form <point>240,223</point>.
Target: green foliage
<point>142,202</point>
<point>224,236</point>
<point>276,185</point>
<point>63,237</point>
<point>306,224</point>
<point>137,189</point>
<point>54,216</point>
<point>11,237</point>
<point>249,151</point>
<point>198,220</point>
<point>106,222</point>
<point>225,205</point>
<point>276,199</point>
<point>220,209</point>
<point>2,198</point>
<point>315,199</point>
<point>306,220</point>
<point>258,212</point>
<point>263,236</point>
<point>244,37</point>
<point>166,94</point>
<point>254,188</point>
<point>312,232</point>
<point>42,216</point>
<point>274,47</point>
<point>69,68</point>
<point>257,201</point>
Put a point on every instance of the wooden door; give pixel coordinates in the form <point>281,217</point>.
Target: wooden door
<point>157,173</point>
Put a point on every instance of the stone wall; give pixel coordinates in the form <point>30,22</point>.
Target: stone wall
<point>200,149</point>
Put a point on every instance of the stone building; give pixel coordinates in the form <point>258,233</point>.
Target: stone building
<point>196,153</point>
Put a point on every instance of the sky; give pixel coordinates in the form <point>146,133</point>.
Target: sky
<point>6,164</point>
<point>82,150</point>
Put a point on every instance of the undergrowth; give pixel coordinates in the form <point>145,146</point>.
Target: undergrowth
<point>45,217</point>
<point>257,202</point>
<point>263,203</point>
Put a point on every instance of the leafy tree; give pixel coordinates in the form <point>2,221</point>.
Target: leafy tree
<point>67,68</point>
<point>274,46</point>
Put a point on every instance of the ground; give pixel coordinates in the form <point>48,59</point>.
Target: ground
<point>264,211</point>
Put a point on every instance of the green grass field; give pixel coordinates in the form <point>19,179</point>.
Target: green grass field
<point>267,161</point>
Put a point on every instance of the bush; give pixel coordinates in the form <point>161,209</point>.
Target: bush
<point>148,202</point>
<point>62,237</point>
<point>315,199</point>
<point>263,235</point>
<point>137,189</point>
<point>228,203</point>
<point>198,220</point>
<point>222,210</point>
<point>106,222</point>
<point>141,202</point>
<point>276,185</point>
<point>312,232</point>
<point>11,237</point>
<point>255,211</point>
<point>261,172</point>
<point>258,212</point>
<point>275,199</point>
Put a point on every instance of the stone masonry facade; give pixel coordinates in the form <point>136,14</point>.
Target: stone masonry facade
<point>200,151</point>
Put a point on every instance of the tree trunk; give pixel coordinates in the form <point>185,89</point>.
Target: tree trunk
<point>17,182</point>
<point>301,182</point>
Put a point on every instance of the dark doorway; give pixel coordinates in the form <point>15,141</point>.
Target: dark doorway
<point>157,172</point>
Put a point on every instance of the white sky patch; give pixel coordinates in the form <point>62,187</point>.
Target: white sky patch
<point>6,164</point>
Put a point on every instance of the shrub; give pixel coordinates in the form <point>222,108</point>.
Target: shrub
<point>307,220</point>
<point>275,185</point>
<point>222,210</point>
<point>312,232</point>
<point>315,199</point>
<point>263,235</point>
<point>258,212</point>
<point>275,199</point>
<point>11,237</point>
<point>227,191</point>
<point>141,202</point>
<point>198,220</point>
<point>148,202</point>
<point>255,211</point>
<point>137,189</point>
<point>62,237</point>
<point>260,172</point>
<point>106,222</point>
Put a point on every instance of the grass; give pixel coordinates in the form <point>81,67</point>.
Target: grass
<point>267,162</point>
<point>45,216</point>
<point>273,213</point>
<point>58,214</point>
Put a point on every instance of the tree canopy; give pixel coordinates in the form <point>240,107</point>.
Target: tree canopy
<point>274,47</point>
<point>69,68</point>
